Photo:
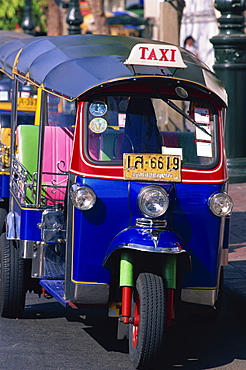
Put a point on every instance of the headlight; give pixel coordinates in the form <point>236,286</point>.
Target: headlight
<point>82,197</point>
<point>153,201</point>
<point>220,204</point>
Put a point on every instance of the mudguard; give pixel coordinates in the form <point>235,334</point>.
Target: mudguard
<point>13,226</point>
<point>146,240</point>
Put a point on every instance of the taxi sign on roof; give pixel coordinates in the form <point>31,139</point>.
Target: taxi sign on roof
<point>158,55</point>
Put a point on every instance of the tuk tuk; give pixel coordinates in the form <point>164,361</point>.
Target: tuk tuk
<point>118,192</point>
<point>26,105</point>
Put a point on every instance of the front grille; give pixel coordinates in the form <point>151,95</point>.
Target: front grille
<point>150,223</point>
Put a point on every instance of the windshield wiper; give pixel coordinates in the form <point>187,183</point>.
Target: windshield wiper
<point>175,107</point>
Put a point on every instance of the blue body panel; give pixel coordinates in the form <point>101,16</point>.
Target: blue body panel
<point>4,186</point>
<point>95,229</point>
<point>97,233</point>
<point>27,220</point>
<point>195,223</point>
<point>100,231</point>
<point>141,240</point>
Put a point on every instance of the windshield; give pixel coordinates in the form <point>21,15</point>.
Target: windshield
<point>126,124</point>
<point>60,112</point>
<point>26,103</point>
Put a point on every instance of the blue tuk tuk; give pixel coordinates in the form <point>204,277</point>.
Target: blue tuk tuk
<point>118,192</point>
<point>26,105</point>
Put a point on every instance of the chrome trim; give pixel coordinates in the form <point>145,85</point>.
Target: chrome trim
<point>150,223</point>
<point>38,260</point>
<point>149,188</point>
<point>211,199</point>
<point>21,181</point>
<point>26,248</point>
<point>52,225</point>
<point>224,257</point>
<point>204,296</point>
<point>90,293</point>
<point>145,248</point>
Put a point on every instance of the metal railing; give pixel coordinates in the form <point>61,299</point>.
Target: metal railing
<point>24,186</point>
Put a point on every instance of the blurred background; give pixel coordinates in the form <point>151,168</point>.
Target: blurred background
<point>170,20</point>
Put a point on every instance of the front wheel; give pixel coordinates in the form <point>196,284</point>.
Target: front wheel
<point>12,279</point>
<point>146,333</point>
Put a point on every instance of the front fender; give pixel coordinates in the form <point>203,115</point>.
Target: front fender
<point>13,226</point>
<point>146,240</point>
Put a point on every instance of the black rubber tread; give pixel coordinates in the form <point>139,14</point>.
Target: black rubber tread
<point>150,288</point>
<point>12,280</point>
<point>3,215</point>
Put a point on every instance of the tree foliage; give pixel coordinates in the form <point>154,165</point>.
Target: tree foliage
<point>11,13</point>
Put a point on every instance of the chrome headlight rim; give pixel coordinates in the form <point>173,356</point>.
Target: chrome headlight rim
<point>82,196</point>
<point>142,199</point>
<point>220,204</point>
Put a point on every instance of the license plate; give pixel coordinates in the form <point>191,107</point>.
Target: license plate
<point>27,104</point>
<point>152,167</point>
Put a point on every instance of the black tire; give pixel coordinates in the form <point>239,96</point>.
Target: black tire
<point>3,215</point>
<point>146,334</point>
<point>12,280</point>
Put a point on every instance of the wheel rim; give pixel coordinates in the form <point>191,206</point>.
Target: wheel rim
<point>136,317</point>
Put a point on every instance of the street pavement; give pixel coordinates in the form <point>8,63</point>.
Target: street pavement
<point>235,272</point>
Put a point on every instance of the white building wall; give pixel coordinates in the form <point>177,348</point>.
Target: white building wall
<point>199,20</point>
<point>152,10</point>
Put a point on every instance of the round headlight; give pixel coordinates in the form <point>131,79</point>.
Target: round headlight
<point>82,197</point>
<point>153,201</point>
<point>220,204</point>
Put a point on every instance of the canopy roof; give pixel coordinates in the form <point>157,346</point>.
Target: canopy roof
<point>6,36</point>
<point>69,66</point>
